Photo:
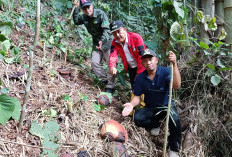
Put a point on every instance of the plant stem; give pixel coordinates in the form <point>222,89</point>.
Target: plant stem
<point>168,112</point>
<point>30,71</point>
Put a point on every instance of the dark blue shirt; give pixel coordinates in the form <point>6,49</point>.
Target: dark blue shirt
<point>156,91</point>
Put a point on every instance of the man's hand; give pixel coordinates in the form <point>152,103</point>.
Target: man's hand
<point>128,109</point>
<point>100,46</point>
<point>113,71</point>
<point>76,3</point>
<point>172,57</point>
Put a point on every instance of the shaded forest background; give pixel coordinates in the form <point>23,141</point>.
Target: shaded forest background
<point>199,32</point>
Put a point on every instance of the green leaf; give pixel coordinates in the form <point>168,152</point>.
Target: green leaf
<point>51,40</point>
<point>97,107</point>
<point>206,53</point>
<point>5,45</point>
<point>51,112</point>
<point>2,37</point>
<point>63,48</point>
<point>179,11</point>
<point>222,35</point>
<point>151,45</point>
<point>51,129</point>
<point>3,53</point>
<point>69,4</point>
<point>6,28</point>
<point>5,90</point>
<point>7,106</point>
<point>219,63</point>
<point>211,66</point>
<point>36,130</point>
<point>49,144</point>
<point>9,60</point>
<point>210,72</point>
<point>1,57</point>
<point>225,69</point>
<point>198,17</point>
<point>176,31</point>
<point>16,51</point>
<point>17,111</point>
<point>215,80</point>
<point>49,135</point>
<point>212,24</point>
<point>102,107</point>
<point>66,97</point>
<point>85,97</point>
<point>204,45</point>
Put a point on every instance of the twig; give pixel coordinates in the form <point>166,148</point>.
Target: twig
<point>225,130</point>
<point>70,16</point>
<point>168,112</point>
<point>196,82</point>
<point>186,109</point>
<point>23,144</point>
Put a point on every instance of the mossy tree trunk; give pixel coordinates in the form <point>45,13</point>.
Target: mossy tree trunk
<point>219,14</point>
<point>228,21</point>
<point>207,8</point>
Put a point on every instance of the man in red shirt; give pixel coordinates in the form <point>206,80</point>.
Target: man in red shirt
<point>130,46</point>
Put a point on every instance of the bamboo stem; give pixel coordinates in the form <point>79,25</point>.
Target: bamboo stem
<point>70,16</point>
<point>168,112</point>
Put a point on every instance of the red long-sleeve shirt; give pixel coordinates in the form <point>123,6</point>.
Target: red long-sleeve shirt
<point>136,47</point>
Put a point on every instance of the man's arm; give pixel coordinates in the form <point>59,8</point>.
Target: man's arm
<point>113,59</point>
<point>141,49</point>
<point>105,26</point>
<point>129,106</point>
<point>176,73</point>
<point>76,17</point>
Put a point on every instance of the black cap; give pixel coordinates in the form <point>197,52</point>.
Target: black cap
<point>84,3</point>
<point>148,52</point>
<point>116,25</point>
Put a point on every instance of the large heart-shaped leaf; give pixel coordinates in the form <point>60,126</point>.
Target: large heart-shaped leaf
<point>6,28</point>
<point>7,106</point>
<point>36,130</point>
<point>179,11</point>
<point>215,80</point>
<point>17,111</point>
<point>51,129</point>
<point>212,24</point>
<point>5,45</point>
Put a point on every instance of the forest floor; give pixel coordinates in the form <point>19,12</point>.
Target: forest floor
<point>79,129</point>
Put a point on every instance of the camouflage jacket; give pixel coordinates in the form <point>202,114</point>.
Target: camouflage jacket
<point>97,26</point>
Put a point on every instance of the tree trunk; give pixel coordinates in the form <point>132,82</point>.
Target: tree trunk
<point>228,21</point>
<point>219,14</point>
<point>207,8</point>
<point>187,43</point>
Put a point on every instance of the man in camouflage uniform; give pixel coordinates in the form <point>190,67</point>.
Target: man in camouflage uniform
<point>97,24</point>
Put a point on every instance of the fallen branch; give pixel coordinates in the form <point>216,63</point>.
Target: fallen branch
<point>33,146</point>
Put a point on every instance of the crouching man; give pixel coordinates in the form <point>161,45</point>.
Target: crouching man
<point>154,84</point>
